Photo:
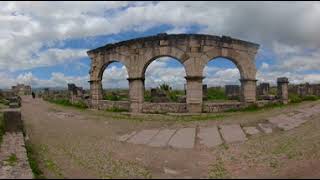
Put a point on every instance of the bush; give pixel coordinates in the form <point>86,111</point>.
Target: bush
<point>216,94</point>
<point>294,98</point>
<point>115,109</point>
<point>310,98</point>
<point>80,104</point>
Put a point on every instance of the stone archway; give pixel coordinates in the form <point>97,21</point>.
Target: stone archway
<point>192,50</point>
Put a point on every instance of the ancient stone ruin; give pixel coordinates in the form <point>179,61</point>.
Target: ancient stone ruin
<point>21,89</point>
<point>194,51</point>
<point>305,89</point>
<point>232,91</point>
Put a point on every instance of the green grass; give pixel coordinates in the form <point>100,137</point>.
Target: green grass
<point>66,102</point>
<point>115,109</point>
<point>12,160</point>
<point>218,171</point>
<point>216,94</point>
<point>37,173</point>
<point>255,108</point>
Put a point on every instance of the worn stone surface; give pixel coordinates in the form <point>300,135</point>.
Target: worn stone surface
<point>232,133</point>
<point>251,130</point>
<point>162,138</point>
<point>143,137</point>
<point>210,137</point>
<point>265,127</point>
<point>126,136</point>
<point>194,51</point>
<point>13,145</point>
<point>183,138</point>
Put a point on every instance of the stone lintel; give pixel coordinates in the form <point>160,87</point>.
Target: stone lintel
<point>92,81</point>
<point>194,78</point>
<point>135,78</point>
<point>282,80</point>
<point>245,80</point>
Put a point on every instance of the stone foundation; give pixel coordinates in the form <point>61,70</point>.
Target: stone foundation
<point>106,104</point>
<point>164,107</point>
<point>210,107</point>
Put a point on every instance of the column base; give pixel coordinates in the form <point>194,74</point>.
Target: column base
<point>194,108</point>
<point>135,107</point>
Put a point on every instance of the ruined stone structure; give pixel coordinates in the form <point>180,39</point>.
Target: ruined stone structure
<point>75,93</point>
<point>21,89</point>
<point>232,91</point>
<point>194,51</point>
<point>283,93</point>
<point>205,92</point>
<point>305,89</point>
<point>263,89</point>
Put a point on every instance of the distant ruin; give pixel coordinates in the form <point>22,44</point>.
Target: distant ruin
<point>21,89</point>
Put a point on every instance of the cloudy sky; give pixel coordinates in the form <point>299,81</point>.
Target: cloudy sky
<point>44,44</point>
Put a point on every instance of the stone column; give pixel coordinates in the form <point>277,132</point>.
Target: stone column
<point>95,93</point>
<point>248,90</point>
<point>194,94</point>
<point>136,94</point>
<point>283,89</point>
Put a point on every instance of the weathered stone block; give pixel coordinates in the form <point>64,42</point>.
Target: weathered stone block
<point>12,120</point>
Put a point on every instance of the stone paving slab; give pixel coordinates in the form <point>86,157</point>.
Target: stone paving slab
<point>265,127</point>
<point>232,133</point>
<point>184,138</point>
<point>13,143</point>
<point>279,119</point>
<point>143,137</point>
<point>162,138</point>
<point>251,130</point>
<point>126,136</point>
<point>210,136</point>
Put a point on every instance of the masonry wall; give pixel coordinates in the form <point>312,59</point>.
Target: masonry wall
<point>105,104</point>
<point>164,107</point>
<point>210,107</point>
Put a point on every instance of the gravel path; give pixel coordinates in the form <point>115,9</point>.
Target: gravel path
<point>71,143</point>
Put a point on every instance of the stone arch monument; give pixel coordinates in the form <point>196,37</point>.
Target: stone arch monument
<point>194,51</point>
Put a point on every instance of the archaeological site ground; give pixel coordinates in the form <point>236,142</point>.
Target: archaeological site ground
<point>133,116</point>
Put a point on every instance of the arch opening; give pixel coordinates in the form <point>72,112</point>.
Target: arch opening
<point>222,80</point>
<point>115,85</point>
<point>165,80</point>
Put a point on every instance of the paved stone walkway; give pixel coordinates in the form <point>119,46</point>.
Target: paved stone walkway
<point>18,167</point>
<point>214,136</point>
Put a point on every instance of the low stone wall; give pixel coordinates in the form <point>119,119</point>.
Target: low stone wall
<point>209,107</point>
<point>106,104</point>
<point>13,155</point>
<point>164,107</point>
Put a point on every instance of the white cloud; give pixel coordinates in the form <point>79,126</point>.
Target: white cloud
<point>288,29</point>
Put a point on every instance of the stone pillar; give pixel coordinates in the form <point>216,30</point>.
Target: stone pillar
<point>136,94</point>
<point>194,94</point>
<point>95,93</point>
<point>283,94</point>
<point>248,90</point>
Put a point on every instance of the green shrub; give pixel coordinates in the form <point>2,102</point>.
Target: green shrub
<point>310,98</point>
<point>294,98</point>
<point>216,94</point>
<point>115,109</point>
<point>80,104</point>
<point>112,97</point>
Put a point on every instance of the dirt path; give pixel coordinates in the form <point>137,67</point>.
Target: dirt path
<point>71,143</point>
